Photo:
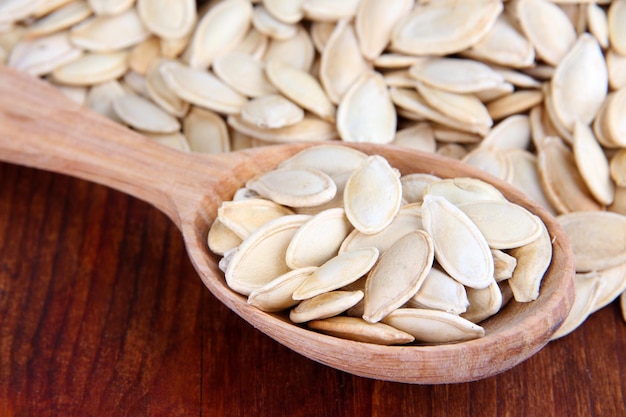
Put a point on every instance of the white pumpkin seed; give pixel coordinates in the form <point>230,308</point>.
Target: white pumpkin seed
<point>243,217</point>
<point>460,247</point>
<point>464,190</point>
<point>325,305</point>
<point>206,131</point>
<point>580,83</point>
<point>455,75</point>
<point>354,328</point>
<point>300,87</point>
<point>261,257</point>
<point>444,26</point>
<point>373,195</point>
<point>218,31</point>
<point>142,114</point>
<point>592,164</point>
<point>319,239</point>
<point>330,159</point>
<point>294,187</point>
<point>504,225</point>
<point>547,27</point>
<point>440,291</point>
<point>366,113</point>
<point>166,18</point>
<point>597,238</point>
<point>277,294</point>
<point>341,62</point>
<point>587,292</point>
<point>483,303</point>
<point>434,326</point>
<point>337,272</point>
<point>374,23</point>
<point>398,275</point>
<point>109,33</point>
<point>201,88</point>
<point>243,73</point>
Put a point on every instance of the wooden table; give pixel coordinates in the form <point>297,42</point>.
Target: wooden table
<point>102,314</point>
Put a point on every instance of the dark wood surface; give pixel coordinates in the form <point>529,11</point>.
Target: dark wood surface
<point>102,314</point>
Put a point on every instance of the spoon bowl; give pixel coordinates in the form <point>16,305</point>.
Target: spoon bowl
<point>41,128</point>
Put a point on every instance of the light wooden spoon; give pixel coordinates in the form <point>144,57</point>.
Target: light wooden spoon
<point>41,128</point>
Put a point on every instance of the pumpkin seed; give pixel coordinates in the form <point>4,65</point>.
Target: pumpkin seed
<point>460,247</point>
<point>337,272</point>
<point>325,305</point>
<point>433,326</point>
<point>373,195</point>
<point>440,291</point>
<point>261,257</point>
<point>597,238</point>
<point>398,275</point>
<point>354,328</point>
<point>277,294</point>
<point>294,187</point>
<point>319,239</point>
<point>366,113</point>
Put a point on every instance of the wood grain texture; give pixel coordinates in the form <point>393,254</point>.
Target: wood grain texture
<point>102,313</point>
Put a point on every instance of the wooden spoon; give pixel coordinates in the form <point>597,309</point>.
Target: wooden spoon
<point>41,128</point>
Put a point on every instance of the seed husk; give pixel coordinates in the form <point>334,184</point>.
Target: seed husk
<point>206,131</point>
<point>294,187</point>
<point>354,328</point>
<point>106,33</point>
<point>337,272</point>
<point>597,238</point>
<point>504,225</point>
<point>243,73</point>
<point>433,326</point>
<point>261,257</point>
<point>398,275</point>
<point>325,305</point>
<point>373,195</point>
<point>143,114</point>
<point>460,247</point>
<point>319,239</point>
<point>587,292</point>
<point>483,303</point>
<point>168,19</point>
<point>366,113</point>
<point>277,294</point>
<point>440,291</point>
<point>444,26</point>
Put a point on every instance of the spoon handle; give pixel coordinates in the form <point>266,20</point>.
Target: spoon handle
<point>41,128</point>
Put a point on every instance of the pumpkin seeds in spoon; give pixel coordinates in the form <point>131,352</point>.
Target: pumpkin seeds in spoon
<point>318,239</point>
<point>277,294</point>
<point>460,247</point>
<point>261,257</point>
<point>373,195</point>
<point>354,328</point>
<point>398,275</point>
<point>440,291</point>
<point>483,303</point>
<point>433,326</point>
<point>325,305</point>
<point>504,225</point>
<point>337,272</point>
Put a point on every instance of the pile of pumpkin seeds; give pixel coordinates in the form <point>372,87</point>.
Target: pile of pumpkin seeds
<point>354,249</point>
<point>532,91</point>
